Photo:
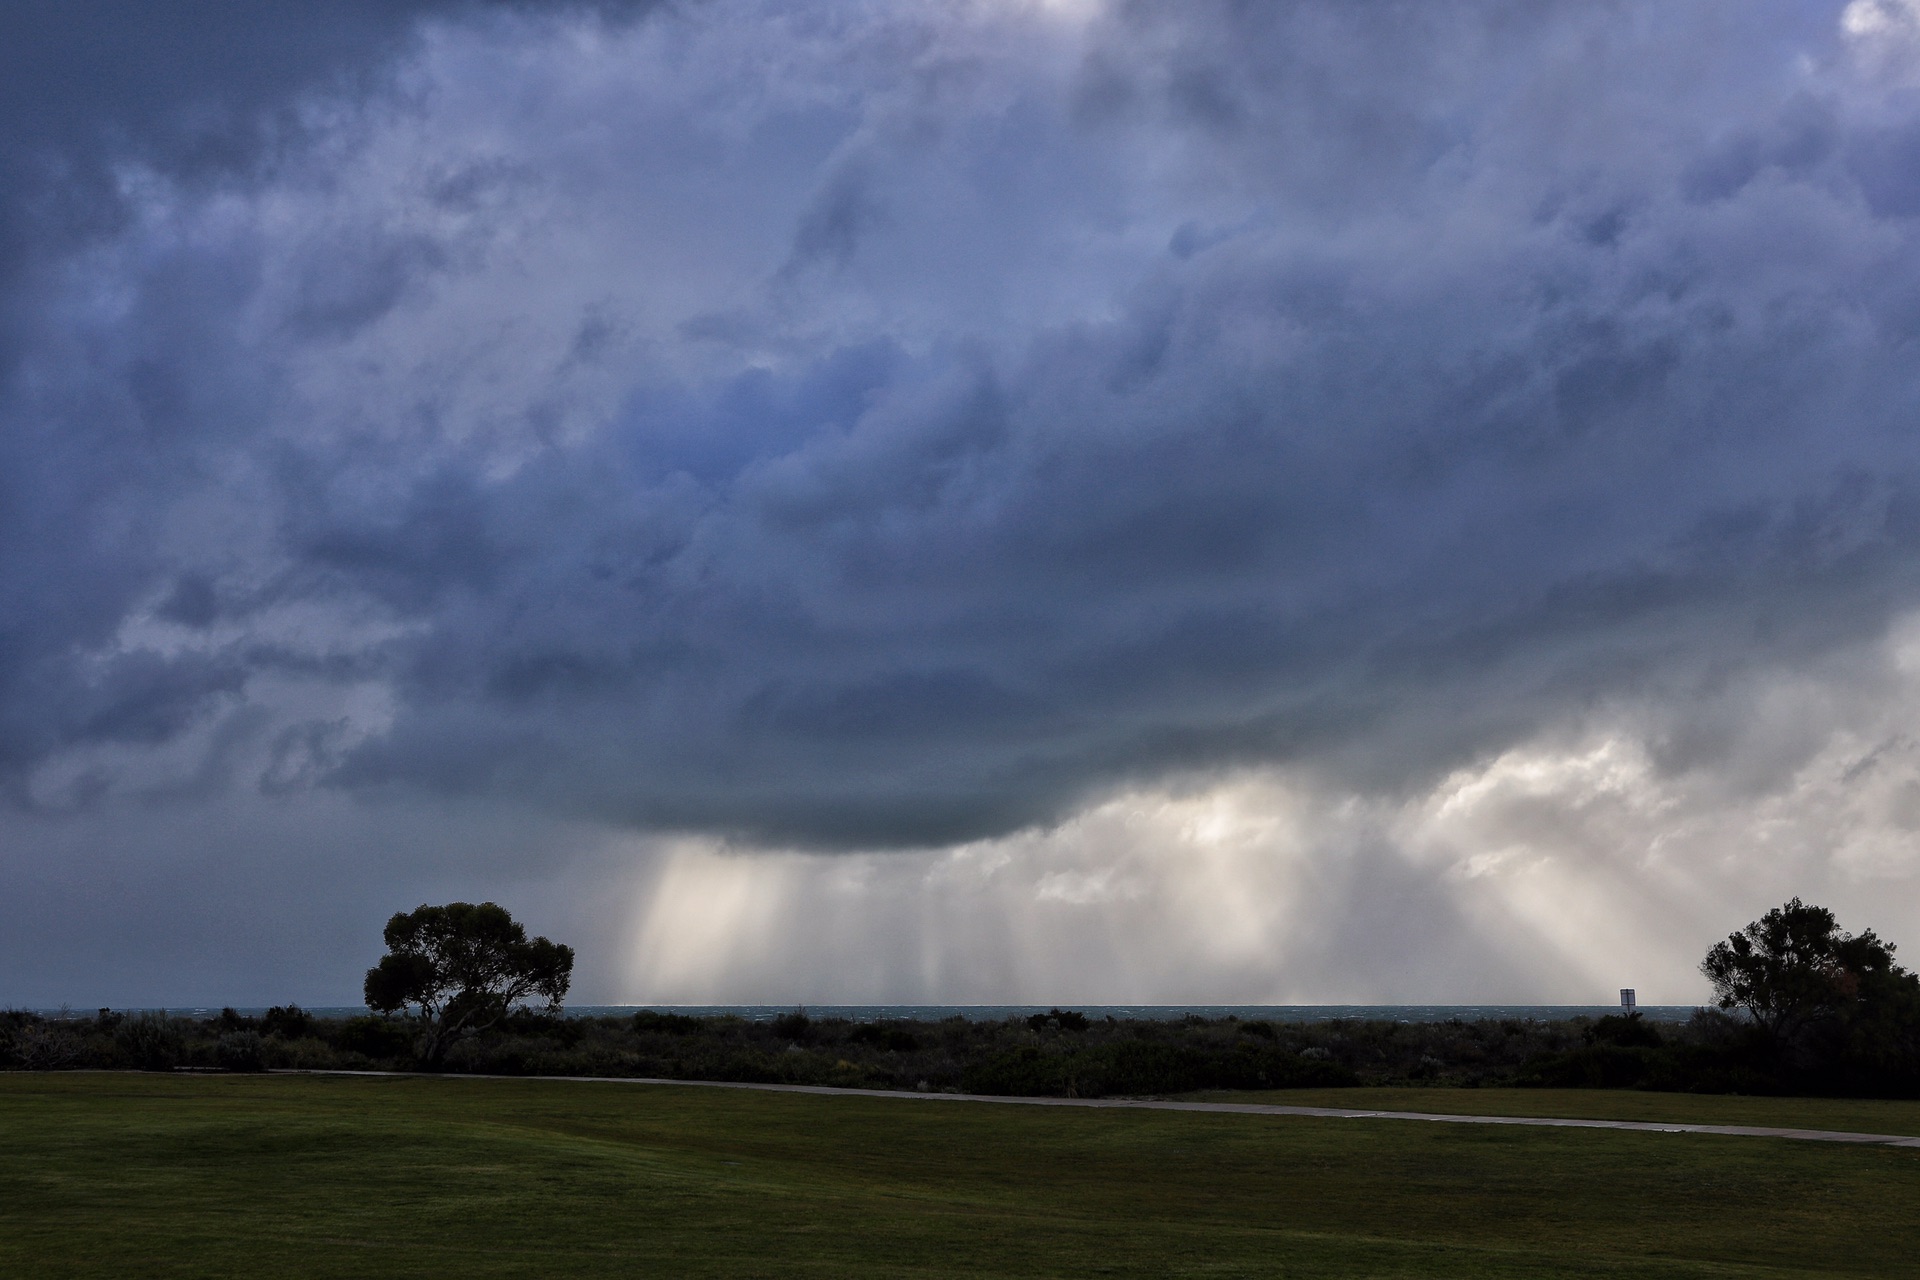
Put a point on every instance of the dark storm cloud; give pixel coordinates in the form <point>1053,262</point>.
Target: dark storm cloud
<point>1354,386</point>
<point>200,93</point>
<point>199,88</point>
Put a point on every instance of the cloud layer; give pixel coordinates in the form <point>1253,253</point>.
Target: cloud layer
<point>873,428</point>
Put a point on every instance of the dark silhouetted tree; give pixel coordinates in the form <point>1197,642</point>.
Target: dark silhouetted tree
<point>1803,979</point>
<point>461,968</point>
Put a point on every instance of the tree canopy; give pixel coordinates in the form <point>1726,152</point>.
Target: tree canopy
<point>463,967</point>
<point>1803,980</point>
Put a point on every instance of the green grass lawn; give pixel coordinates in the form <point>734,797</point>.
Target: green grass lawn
<point>130,1175</point>
<point>1852,1115</point>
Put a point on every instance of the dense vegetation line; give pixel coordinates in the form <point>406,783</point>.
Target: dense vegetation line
<point>1804,1007</point>
<point>1060,1054</point>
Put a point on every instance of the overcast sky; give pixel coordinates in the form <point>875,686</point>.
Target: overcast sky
<point>956,500</point>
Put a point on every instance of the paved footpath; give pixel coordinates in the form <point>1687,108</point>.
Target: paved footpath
<point>1230,1108</point>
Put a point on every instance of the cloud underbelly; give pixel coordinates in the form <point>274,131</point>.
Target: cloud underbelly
<point>872,428</point>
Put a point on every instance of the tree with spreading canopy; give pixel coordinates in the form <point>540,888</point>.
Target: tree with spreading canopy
<point>1817,992</point>
<point>461,968</point>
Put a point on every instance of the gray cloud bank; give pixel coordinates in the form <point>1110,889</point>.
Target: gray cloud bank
<point>878,426</point>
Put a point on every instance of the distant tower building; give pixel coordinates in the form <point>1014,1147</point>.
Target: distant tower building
<point>1626,999</point>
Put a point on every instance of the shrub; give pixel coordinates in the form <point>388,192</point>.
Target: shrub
<point>241,1051</point>
<point>32,1044</point>
<point>1629,1031</point>
<point>793,1026</point>
<point>672,1024</point>
<point>151,1041</point>
<point>230,1021</point>
<point>288,1021</point>
<point>1148,1067</point>
<point>892,1039</point>
<point>375,1037</point>
<point>13,1023</point>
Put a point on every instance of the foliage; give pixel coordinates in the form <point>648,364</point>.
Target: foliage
<point>151,1041</point>
<point>673,1024</point>
<point>242,1051</point>
<point>288,1021</point>
<point>1841,1020</point>
<point>461,968</point>
<point>1715,1052</point>
<point>381,1039</point>
<point>892,1039</point>
<point>1146,1067</point>
<point>29,1043</point>
<point>1833,1009</point>
<point>1064,1019</point>
<point>1630,1030</point>
<point>1795,967</point>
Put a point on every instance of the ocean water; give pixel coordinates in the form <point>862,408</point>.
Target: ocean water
<point>996,1012</point>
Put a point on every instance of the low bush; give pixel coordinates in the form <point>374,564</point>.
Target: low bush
<point>377,1038</point>
<point>151,1042</point>
<point>1061,1052</point>
<point>894,1039</point>
<point>288,1022</point>
<point>241,1051</point>
<point>648,1021</point>
<point>1130,1067</point>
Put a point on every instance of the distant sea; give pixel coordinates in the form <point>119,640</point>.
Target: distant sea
<point>996,1012</point>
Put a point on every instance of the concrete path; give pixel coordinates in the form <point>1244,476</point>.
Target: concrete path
<point>1227,1108</point>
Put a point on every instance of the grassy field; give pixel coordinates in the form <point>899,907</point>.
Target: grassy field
<point>131,1175</point>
